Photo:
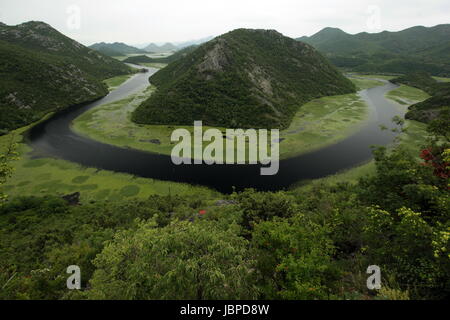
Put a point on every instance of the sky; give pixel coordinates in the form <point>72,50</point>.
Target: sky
<point>142,21</point>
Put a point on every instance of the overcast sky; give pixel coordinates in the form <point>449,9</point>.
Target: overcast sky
<point>142,21</point>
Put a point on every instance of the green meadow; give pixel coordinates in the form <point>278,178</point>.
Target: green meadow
<point>114,83</point>
<point>442,79</point>
<point>46,176</point>
<point>406,95</point>
<point>366,83</point>
<point>376,76</point>
<point>155,65</point>
<point>323,122</point>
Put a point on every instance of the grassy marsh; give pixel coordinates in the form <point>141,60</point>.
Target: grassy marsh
<point>45,176</point>
<point>406,95</point>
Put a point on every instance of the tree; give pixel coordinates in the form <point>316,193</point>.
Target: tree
<point>401,181</point>
<point>410,249</point>
<point>183,260</point>
<point>440,127</point>
<point>5,168</point>
<point>262,206</point>
<point>294,258</point>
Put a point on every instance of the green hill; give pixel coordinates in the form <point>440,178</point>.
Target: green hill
<point>168,47</point>
<point>245,78</point>
<point>174,57</point>
<point>42,70</point>
<point>418,48</point>
<point>115,49</point>
<point>429,109</point>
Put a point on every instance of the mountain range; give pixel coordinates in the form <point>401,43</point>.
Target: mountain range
<point>197,42</point>
<point>245,78</point>
<point>116,49</point>
<point>154,48</point>
<point>417,48</point>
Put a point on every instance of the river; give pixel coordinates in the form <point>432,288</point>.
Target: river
<point>54,138</point>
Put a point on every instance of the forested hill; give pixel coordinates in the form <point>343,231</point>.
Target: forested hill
<point>154,48</point>
<point>417,48</point>
<point>115,49</point>
<point>245,78</point>
<point>41,70</point>
<point>431,108</point>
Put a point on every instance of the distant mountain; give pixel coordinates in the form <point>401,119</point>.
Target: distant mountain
<point>174,57</point>
<point>168,47</point>
<point>417,48</point>
<point>429,109</point>
<point>245,78</point>
<point>116,49</point>
<point>41,70</point>
<point>193,42</point>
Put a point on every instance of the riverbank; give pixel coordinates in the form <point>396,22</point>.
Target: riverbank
<point>317,124</point>
<point>122,101</point>
<point>411,140</point>
<point>46,176</point>
<point>35,175</point>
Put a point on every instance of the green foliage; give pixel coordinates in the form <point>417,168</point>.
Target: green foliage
<point>440,126</point>
<point>5,168</point>
<point>42,71</point>
<point>431,108</point>
<point>401,181</point>
<point>294,257</point>
<point>41,237</point>
<point>180,261</point>
<point>407,246</point>
<point>115,49</point>
<point>41,38</point>
<point>263,206</point>
<point>313,243</point>
<point>245,78</point>
<point>418,48</point>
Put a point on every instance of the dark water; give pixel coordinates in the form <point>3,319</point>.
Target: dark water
<point>54,138</point>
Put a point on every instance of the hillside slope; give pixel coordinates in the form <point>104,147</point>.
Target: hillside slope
<point>42,70</point>
<point>245,78</point>
<point>429,109</point>
<point>417,48</point>
<point>154,48</point>
<point>115,49</point>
